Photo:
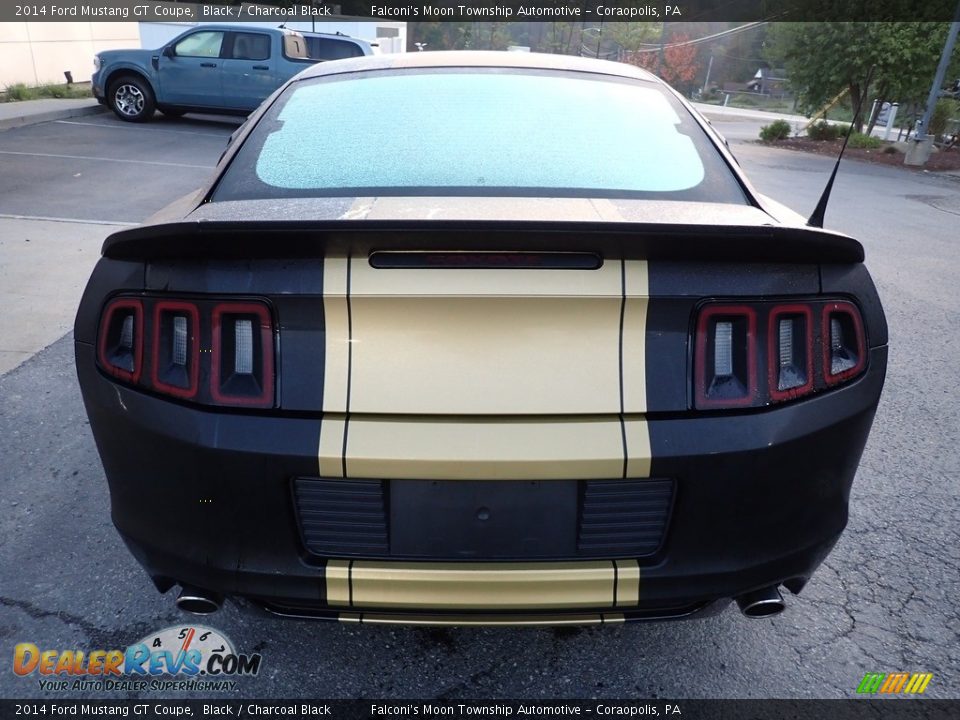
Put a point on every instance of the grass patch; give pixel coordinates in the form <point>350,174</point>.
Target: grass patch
<point>53,91</point>
<point>21,91</point>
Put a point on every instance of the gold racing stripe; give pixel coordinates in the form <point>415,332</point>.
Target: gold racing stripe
<point>455,341</point>
<point>484,449</point>
<point>471,586</point>
<point>336,366</point>
<point>488,586</point>
<point>636,291</point>
<point>481,620</point>
<point>628,583</point>
<point>332,428</point>
<point>336,350</point>
<point>338,582</point>
<point>415,357</point>
<point>639,454</point>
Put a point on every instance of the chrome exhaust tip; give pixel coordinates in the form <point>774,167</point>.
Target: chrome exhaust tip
<point>198,602</point>
<point>762,603</point>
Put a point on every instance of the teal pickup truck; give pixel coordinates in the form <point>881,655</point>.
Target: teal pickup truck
<point>210,68</point>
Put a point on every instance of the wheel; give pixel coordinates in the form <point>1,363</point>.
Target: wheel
<point>172,112</point>
<point>131,98</point>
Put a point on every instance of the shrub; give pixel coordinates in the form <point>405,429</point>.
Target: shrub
<point>865,142</point>
<point>823,130</point>
<point>19,91</point>
<point>777,130</point>
<point>890,150</point>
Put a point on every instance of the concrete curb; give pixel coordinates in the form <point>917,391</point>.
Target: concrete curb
<point>33,117</point>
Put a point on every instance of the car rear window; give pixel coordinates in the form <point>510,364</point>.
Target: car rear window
<point>478,132</point>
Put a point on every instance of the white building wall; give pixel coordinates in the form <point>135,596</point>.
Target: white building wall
<point>35,53</point>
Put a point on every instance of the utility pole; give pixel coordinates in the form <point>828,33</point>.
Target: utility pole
<point>707,81</point>
<point>920,151</point>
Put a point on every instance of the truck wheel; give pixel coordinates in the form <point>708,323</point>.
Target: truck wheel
<point>131,98</point>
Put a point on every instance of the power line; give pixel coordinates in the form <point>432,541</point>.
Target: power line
<point>707,38</point>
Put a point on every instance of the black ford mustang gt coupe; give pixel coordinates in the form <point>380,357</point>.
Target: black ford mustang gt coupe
<point>480,338</point>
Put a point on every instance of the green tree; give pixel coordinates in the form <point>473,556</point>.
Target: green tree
<point>631,36</point>
<point>823,59</point>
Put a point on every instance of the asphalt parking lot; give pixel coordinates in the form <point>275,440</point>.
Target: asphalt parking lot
<point>885,600</point>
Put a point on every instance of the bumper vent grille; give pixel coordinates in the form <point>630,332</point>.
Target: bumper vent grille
<point>623,517</point>
<point>340,517</point>
<point>521,520</point>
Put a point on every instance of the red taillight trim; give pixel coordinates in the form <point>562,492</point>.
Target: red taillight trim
<point>846,308</point>
<point>773,338</point>
<point>194,314</point>
<point>701,400</point>
<point>265,399</point>
<point>118,304</point>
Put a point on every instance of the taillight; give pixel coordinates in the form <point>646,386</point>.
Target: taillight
<point>176,348</point>
<point>844,347</point>
<point>790,352</point>
<point>726,345</point>
<point>242,355</point>
<point>120,345</point>
<point>203,351</point>
<point>758,353</point>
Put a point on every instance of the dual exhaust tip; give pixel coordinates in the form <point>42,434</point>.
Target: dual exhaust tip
<point>762,603</point>
<point>198,601</point>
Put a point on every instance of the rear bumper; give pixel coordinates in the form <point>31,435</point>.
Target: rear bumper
<point>204,498</point>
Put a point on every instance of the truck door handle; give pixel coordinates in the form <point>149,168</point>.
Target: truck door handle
<point>208,64</point>
<point>261,67</point>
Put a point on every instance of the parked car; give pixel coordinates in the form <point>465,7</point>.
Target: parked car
<point>209,68</point>
<point>335,46</point>
<point>527,349</point>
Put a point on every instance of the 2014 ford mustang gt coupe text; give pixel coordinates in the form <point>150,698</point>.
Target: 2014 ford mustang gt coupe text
<point>480,338</point>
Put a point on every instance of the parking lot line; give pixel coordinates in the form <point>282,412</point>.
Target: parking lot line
<point>141,128</point>
<point>82,221</point>
<point>103,159</point>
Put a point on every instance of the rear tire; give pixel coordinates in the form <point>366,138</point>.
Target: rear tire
<point>131,99</point>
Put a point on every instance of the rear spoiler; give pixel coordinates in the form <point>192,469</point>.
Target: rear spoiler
<point>651,241</point>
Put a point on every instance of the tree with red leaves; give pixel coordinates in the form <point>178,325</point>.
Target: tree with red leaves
<point>681,66</point>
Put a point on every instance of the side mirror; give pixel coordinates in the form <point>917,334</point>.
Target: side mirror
<point>168,52</point>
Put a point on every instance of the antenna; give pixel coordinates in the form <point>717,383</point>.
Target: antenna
<point>816,219</point>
